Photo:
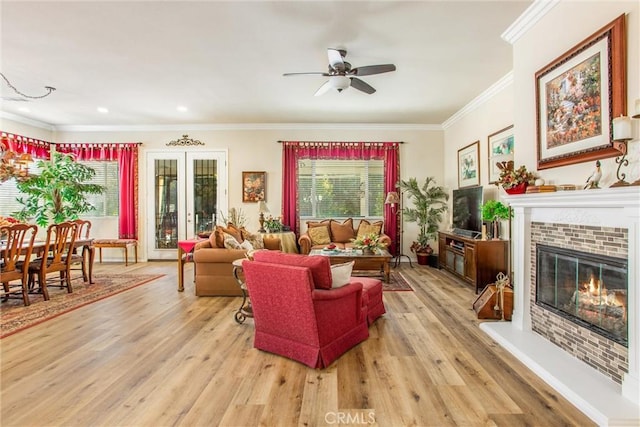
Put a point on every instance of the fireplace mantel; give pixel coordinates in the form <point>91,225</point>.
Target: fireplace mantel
<point>605,401</point>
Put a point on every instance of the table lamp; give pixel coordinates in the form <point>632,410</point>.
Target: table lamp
<point>262,209</point>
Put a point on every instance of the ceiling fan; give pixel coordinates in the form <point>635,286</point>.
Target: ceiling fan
<point>341,75</point>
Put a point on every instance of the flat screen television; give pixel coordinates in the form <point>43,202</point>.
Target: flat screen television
<point>467,209</point>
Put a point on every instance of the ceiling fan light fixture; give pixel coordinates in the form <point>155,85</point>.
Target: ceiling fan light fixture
<point>340,82</point>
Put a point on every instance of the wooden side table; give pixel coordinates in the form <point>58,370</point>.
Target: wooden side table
<point>245,309</point>
<point>185,255</point>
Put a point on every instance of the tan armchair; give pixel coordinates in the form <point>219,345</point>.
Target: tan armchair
<point>213,268</point>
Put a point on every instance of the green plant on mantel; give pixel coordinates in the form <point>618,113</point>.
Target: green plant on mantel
<point>494,210</point>
<point>58,193</point>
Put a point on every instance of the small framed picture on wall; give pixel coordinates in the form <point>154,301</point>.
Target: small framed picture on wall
<point>468,165</point>
<point>500,147</point>
<point>253,186</point>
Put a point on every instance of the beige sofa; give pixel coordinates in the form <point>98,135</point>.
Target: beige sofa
<point>212,260</point>
<point>338,233</point>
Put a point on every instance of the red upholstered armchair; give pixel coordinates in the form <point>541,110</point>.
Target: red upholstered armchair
<point>295,319</point>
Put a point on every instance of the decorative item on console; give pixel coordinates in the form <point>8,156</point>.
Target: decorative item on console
<point>273,225</point>
<point>514,181</point>
<point>622,134</point>
<point>594,178</point>
<point>235,216</point>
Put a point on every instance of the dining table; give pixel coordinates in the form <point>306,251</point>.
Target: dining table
<point>86,244</point>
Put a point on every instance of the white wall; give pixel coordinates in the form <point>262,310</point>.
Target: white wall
<point>257,149</point>
<point>496,113</point>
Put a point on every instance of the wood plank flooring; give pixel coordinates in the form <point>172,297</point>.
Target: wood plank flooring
<point>152,356</point>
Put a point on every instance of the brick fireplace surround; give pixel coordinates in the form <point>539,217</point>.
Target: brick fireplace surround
<point>608,399</point>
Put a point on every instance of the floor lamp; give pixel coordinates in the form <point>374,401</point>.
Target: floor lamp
<point>394,199</point>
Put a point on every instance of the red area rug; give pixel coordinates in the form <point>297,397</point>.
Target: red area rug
<point>15,317</point>
<point>397,282</point>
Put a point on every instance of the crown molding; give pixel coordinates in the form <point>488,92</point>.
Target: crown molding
<point>478,101</point>
<point>530,17</point>
<point>26,121</point>
<point>248,127</point>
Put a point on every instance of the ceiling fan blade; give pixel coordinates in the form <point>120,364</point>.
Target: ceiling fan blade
<point>356,83</point>
<point>335,59</point>
<point>368,70</point>
<point>326,87</point>
<point>319,73</point>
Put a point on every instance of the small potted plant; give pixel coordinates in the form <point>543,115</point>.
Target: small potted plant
<point>273,225</point>
<point>514,181</point>
<point>493,211</point>
<point>429,203</point>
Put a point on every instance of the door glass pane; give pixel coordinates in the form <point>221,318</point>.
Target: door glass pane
<point>166,202</point>
<point>204,194</point>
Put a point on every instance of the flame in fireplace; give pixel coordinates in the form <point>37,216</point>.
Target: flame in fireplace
<point>594,294</point>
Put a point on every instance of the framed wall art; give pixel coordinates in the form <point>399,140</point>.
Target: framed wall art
<point>500,147</point>
<point>577,96</point>
<point>253,186</point>
<point>468,165</point>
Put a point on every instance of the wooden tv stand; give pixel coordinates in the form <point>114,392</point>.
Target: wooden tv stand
<point>477,262</point>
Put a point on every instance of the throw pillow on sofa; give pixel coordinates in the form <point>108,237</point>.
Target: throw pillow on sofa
<point>230,242</point>
<point>319,235</point>
<point>256,240</point>
<point>365,227</point>
<point>217,237</point>
<point>342,233</point>
<point>341,274</point>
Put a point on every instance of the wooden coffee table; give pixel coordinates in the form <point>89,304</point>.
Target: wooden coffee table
<point>378,262</point>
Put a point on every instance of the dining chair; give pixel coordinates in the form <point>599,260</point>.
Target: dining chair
<point>15,257</point>
<point>79,259</point>
<point>56,257</point>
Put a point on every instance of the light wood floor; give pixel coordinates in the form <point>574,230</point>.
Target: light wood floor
<point>154,357</point>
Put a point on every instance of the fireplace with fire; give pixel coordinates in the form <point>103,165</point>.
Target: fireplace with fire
<point>589,290</point>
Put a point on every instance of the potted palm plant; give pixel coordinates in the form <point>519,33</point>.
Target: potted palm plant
<point>58,193</point>
<point>429,204</point>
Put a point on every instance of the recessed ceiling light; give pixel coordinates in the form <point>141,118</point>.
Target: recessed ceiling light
<point>103,110</point>
<point>182,108</point>
<point>24,109</point>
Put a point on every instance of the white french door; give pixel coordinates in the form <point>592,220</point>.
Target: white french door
<point>186,191</point>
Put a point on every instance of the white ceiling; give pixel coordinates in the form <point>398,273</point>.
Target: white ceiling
<point>224,60</point>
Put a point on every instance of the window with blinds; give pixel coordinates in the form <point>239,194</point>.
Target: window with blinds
<point>340,188</point>
<point>106,204</point>
<point>9,193</point>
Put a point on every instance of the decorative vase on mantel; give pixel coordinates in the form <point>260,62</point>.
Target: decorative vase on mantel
<point>517,189</point>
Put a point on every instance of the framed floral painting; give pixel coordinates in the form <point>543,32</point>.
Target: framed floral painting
<point>253,186</point>
<point>578,95</point>
<point>468,165</point>
<point>500,147</point>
